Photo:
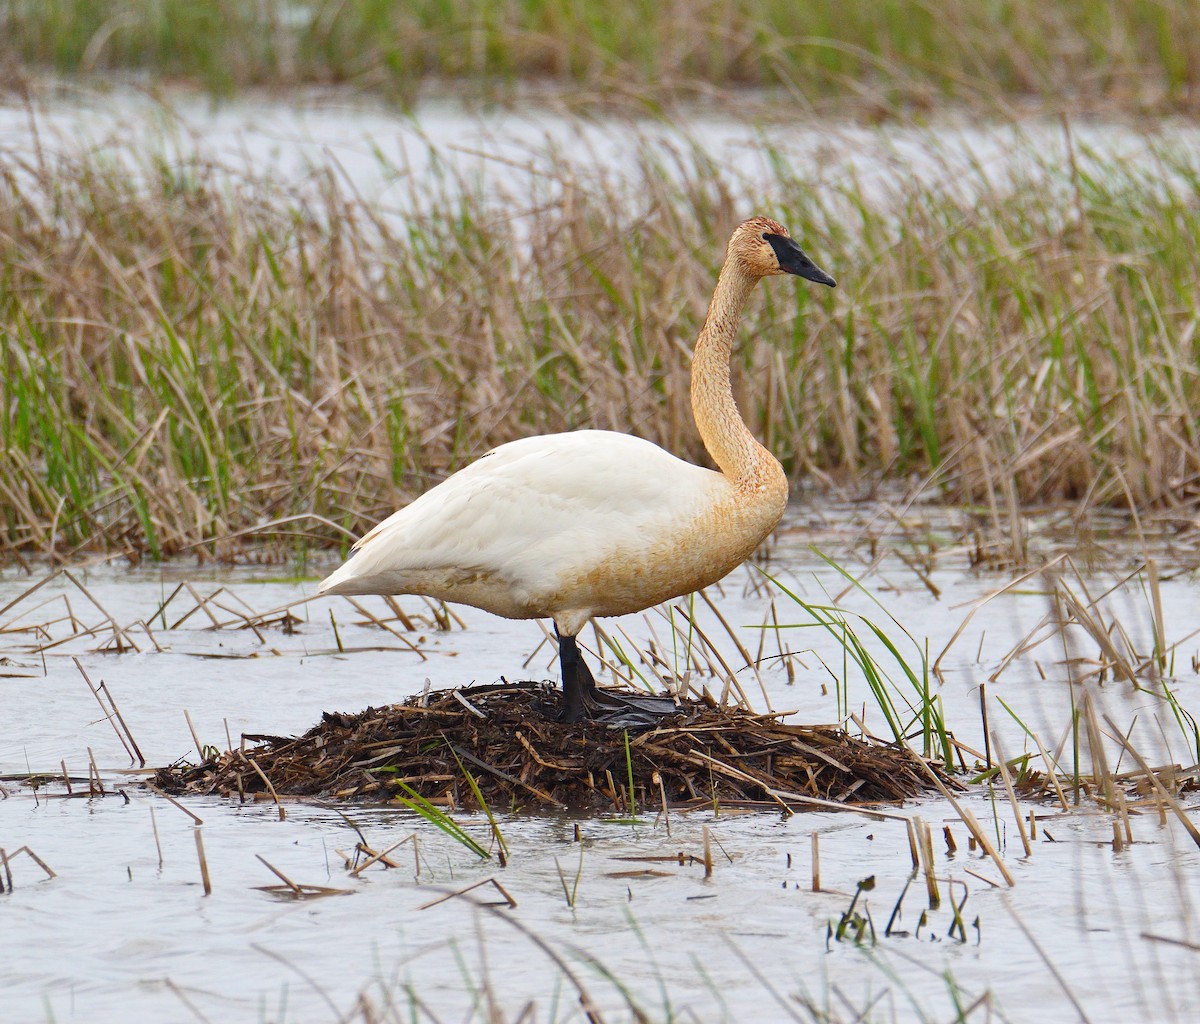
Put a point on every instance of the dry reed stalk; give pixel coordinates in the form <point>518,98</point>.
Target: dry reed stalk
<point>1051,772</point>
<point>195,739</point>
<point>375,858</point>
<point>171,800</point>
<point>270,788</point>
<point>816,862</point>
<point>119,635</point>
<point>925,844</point>
<point>731,633</point>
<point>113,717</point>
<point>983,878</point>
<point>95,783</point>
<point>913,843</point>
<point>157,840</point>
<point>1152,777</point>
<point>970,821</point>
<point>1012,796</point>
<point>508,900</point>
<point>50,873</point>
<point>203,862</point>
<point>277,873</point>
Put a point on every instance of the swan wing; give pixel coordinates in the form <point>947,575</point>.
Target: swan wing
<point>531,511</point>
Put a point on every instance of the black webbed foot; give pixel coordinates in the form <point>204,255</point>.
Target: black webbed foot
<point>583,700</point>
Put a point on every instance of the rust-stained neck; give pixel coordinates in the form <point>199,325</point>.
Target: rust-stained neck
<point>746,463</point>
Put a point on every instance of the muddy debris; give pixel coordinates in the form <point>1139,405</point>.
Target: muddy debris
<point>505,737</point>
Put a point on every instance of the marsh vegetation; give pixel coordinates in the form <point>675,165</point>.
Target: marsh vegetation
<point>188,357</point>
<point>824,55</point>
<point>218,366</point>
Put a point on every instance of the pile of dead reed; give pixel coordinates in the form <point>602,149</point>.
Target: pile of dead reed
<point>503,740</point>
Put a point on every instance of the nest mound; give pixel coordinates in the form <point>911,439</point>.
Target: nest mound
<point>504,739</point>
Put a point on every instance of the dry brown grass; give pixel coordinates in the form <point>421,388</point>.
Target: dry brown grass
<point>186,356</point>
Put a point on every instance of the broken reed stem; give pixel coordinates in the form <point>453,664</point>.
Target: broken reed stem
<point>94,783</point>
<point>377,857</point>
<point>973,824</point>
<point>925,835</point>
<point>508,900</point>
<point>913,843</point>
<point>121,718</point>
<point>170,799</point>
<point>278,874</point>
<point>1051,772</point>
<point>969,820</point>
<point>1154,780</point>
<point>983,711</point>
<point>708,860</point>
<point>913,847</point>
<point>195,738</point>
<point>270,789</point>
<point>1006,777</point>
<point>203,862</point>
<point>105,711</point>
<point>816,862</point>
<point>50,872</point>
<point>157,841</point>
<point>951,845</point>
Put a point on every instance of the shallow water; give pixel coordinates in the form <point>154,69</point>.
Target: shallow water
<point>116,935</point>
<point>393,160</point>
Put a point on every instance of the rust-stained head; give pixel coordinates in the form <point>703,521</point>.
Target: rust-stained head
<point>763,248</point>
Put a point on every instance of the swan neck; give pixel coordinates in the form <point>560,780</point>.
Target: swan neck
<point>724,432</point>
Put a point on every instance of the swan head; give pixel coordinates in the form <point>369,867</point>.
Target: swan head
<point>764,248</point>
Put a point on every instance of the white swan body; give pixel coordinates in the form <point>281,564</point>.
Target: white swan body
<point>575,525</point>
<point>595,523</point>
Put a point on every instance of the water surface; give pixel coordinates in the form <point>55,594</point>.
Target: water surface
<point>117,934</point>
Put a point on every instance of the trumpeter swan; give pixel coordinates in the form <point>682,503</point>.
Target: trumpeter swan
<point>593,522</point>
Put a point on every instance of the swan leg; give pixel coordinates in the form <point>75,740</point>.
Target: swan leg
<point>583,700</point>
<point>577,682</point>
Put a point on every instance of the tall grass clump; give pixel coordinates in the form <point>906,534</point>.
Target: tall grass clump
<point>1133,53</point>
<point>188,355</point>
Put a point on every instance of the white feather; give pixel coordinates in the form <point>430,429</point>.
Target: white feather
<point>594,522</point>
<point>529,516</point>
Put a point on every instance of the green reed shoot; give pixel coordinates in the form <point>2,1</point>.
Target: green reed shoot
<point>915,696</point>
<point>482,804</point>
<point>439,818</point>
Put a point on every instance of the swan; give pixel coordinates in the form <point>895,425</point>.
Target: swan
<point>594,523</point>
